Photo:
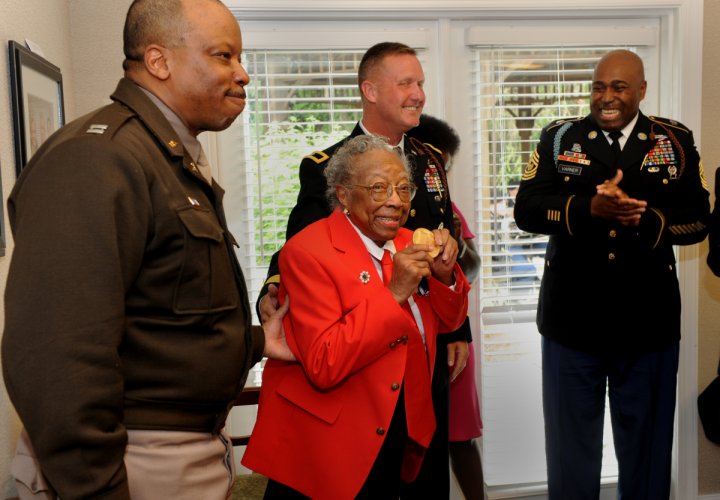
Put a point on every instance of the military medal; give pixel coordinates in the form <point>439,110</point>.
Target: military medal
<point>423,236</point>
<point>673,172</point>
<point>576,148</point>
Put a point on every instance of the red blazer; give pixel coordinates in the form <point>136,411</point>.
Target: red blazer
<point>318,417</point>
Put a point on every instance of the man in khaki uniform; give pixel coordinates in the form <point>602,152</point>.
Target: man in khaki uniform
<point>128,333</point>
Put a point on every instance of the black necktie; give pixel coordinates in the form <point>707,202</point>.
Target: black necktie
<point>615,136</point>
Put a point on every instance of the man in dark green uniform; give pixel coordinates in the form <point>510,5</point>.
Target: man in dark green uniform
<point>391,82</point>
<point>615,190</point>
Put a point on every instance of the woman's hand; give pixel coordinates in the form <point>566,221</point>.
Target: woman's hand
<point>410,266</point>
<point>444,264</point>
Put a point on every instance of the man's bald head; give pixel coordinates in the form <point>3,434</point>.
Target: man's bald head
<point>618,87</point>
<point>161,22</point>
<point>626,59</point>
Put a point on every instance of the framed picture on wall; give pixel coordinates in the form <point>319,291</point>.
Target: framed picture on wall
<point>37,99</point>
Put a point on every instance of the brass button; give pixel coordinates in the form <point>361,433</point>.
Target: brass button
<point>392,345</point>
<point>412,213</point>
<point>567,178</point>
<point>665,181</point>
<point>380,431</point>
<point>613,233</point>
<point>395,386</point>
<point>398,340</point>
<point>548,263</point>
<point>404,337</point>
<point>611,256</point>
<point>442,210</point>
<point>671,267</point>
<point>437,198</point>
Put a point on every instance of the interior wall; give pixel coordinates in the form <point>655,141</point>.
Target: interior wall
<point>47,23</point>
<point>709,297</point>
<point>97,51</point>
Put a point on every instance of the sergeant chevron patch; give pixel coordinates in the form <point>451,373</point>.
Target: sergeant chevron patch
<point>532,166</point>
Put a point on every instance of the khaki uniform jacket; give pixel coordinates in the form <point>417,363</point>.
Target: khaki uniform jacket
<point>608,288</point>
<point>125,305</point>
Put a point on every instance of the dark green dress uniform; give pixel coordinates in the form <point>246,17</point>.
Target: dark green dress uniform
<point>609,308</point>
<point>432,209</point>
<point>622,277</point>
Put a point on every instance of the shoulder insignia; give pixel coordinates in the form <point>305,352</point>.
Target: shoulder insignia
<point>318,157</point>
<point>433,147</point>
<point>703,180</point>
<point>669,123</point>
<point>532,166</point>
<point>562,122</point>
<point>106,121</point>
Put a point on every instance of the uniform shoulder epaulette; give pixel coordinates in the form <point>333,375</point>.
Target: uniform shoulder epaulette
<point>433,148</point>
<point>562,121</point>
<point>318,157</point>
<point>107,120</point>
<point>669,123</point>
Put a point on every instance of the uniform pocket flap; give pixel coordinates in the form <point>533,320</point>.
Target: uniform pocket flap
<point>299,392</point>
<point>201,224</point>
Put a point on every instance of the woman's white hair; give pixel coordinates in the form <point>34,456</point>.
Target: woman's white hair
<point>342,170</point>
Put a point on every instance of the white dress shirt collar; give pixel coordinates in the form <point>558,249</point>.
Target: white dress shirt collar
<point>625,132</point>
<point>400,145</point>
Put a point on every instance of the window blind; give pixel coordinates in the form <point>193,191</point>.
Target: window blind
<point>518,91</point>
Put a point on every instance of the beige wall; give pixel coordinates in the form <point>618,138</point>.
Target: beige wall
<point>47,23</point>
<point>96,28</point>
<point>709,326</point>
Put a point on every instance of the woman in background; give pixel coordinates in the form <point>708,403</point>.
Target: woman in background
<point>465,422</point>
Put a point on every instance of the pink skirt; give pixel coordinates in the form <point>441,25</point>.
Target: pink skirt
<point>465,423</point>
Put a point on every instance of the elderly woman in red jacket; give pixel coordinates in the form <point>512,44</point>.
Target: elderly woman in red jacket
<point>353,416</point>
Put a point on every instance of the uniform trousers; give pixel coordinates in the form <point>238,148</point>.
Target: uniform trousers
<point>160,465</point>
<point>641,390</point>
<point>383,482</point>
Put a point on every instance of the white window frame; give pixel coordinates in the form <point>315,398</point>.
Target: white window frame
<point>682,22</point>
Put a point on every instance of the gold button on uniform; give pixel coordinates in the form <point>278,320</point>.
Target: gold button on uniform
<point>567,178</point>
<point>398,340</point>
<point>548,263</point>
<point>611,256</point>
<point>671,267</point>
<point>412,213</point>
<point>665,181</point>
<point>613,233</point>
<point>392,345</point>
<point>380,431</point>
<point>395,386</point>
<point>404,337</point>
<point>437,198</point>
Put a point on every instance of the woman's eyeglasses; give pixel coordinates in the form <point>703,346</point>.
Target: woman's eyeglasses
<point>382,191</point>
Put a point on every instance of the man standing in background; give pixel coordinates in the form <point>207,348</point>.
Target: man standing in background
<point>128,330</point>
